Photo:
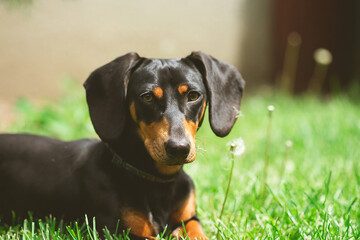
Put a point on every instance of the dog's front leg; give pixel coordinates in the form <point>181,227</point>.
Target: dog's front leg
<point>186,214</point>
<point>140,226</point>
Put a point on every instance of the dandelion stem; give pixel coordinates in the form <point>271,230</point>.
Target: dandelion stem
<point>267,150</point>
<point>288,145</point>
<point>291,59</point>
<point>323,59</point>
<point>232,148</point>
<point>228,186</point>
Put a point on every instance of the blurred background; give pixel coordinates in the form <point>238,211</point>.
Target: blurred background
<point>272,43</point>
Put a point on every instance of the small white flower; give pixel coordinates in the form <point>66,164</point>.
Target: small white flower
<point>237,146</point>
<point>288,143</point>
<point>271,108</point>
<point>323,56</point>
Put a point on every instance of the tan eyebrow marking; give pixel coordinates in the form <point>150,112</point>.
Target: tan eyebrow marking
<point>133,111</point>
<point>183,88</point>
<point>158,92</point>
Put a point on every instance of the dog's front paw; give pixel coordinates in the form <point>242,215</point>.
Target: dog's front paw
<point>150,238</point>
<point>179,233</point>
<point>198,236</point>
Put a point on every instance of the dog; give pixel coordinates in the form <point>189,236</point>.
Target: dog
<point>146,113</point>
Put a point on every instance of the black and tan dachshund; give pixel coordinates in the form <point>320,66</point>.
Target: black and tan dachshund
<point>146,113</point>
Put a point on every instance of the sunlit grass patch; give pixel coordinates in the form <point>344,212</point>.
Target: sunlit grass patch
<point>316,195</point>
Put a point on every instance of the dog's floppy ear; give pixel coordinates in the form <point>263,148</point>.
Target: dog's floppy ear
<point>106,96</point>
<point>224,86</point>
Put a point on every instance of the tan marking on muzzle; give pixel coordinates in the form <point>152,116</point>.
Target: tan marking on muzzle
<point>183,88</point>
<point>167,169</point>
<point>154,136</point>
<point>158,92</point>
<point>190,131</point>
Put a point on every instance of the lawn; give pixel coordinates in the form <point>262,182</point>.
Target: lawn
<point>312,187</point>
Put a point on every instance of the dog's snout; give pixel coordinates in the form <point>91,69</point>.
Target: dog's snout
<point>177,149</point>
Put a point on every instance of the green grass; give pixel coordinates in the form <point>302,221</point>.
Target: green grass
<point>316,197</point>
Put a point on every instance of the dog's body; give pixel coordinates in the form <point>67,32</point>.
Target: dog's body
<point>146,112</point>
<point>70,179</point>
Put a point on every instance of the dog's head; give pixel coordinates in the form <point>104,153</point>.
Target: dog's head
<point>166,99</point>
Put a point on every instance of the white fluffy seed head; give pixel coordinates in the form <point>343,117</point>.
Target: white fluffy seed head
<point>289,143</point>
<point>237,146</point>
<point>271,108</point>
<point>323,56</point>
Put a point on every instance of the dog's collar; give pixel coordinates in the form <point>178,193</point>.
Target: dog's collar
<point>119,162</point>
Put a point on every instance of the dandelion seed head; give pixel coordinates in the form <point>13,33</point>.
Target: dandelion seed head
<point>289,143</point>
<point>294,39</point>
<point>271,108</point>
<point>323,56</point>
<point>237,146</point>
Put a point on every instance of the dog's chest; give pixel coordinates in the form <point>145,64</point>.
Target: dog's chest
<point>150,215</point>
<point>161,206</point>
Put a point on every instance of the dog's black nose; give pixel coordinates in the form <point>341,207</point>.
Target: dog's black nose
<point>177,149</point>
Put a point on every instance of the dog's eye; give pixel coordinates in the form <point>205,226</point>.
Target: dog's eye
<point>148,97</point>
<point>193,96</point>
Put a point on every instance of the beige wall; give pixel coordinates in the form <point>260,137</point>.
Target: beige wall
<point>41,43</point>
